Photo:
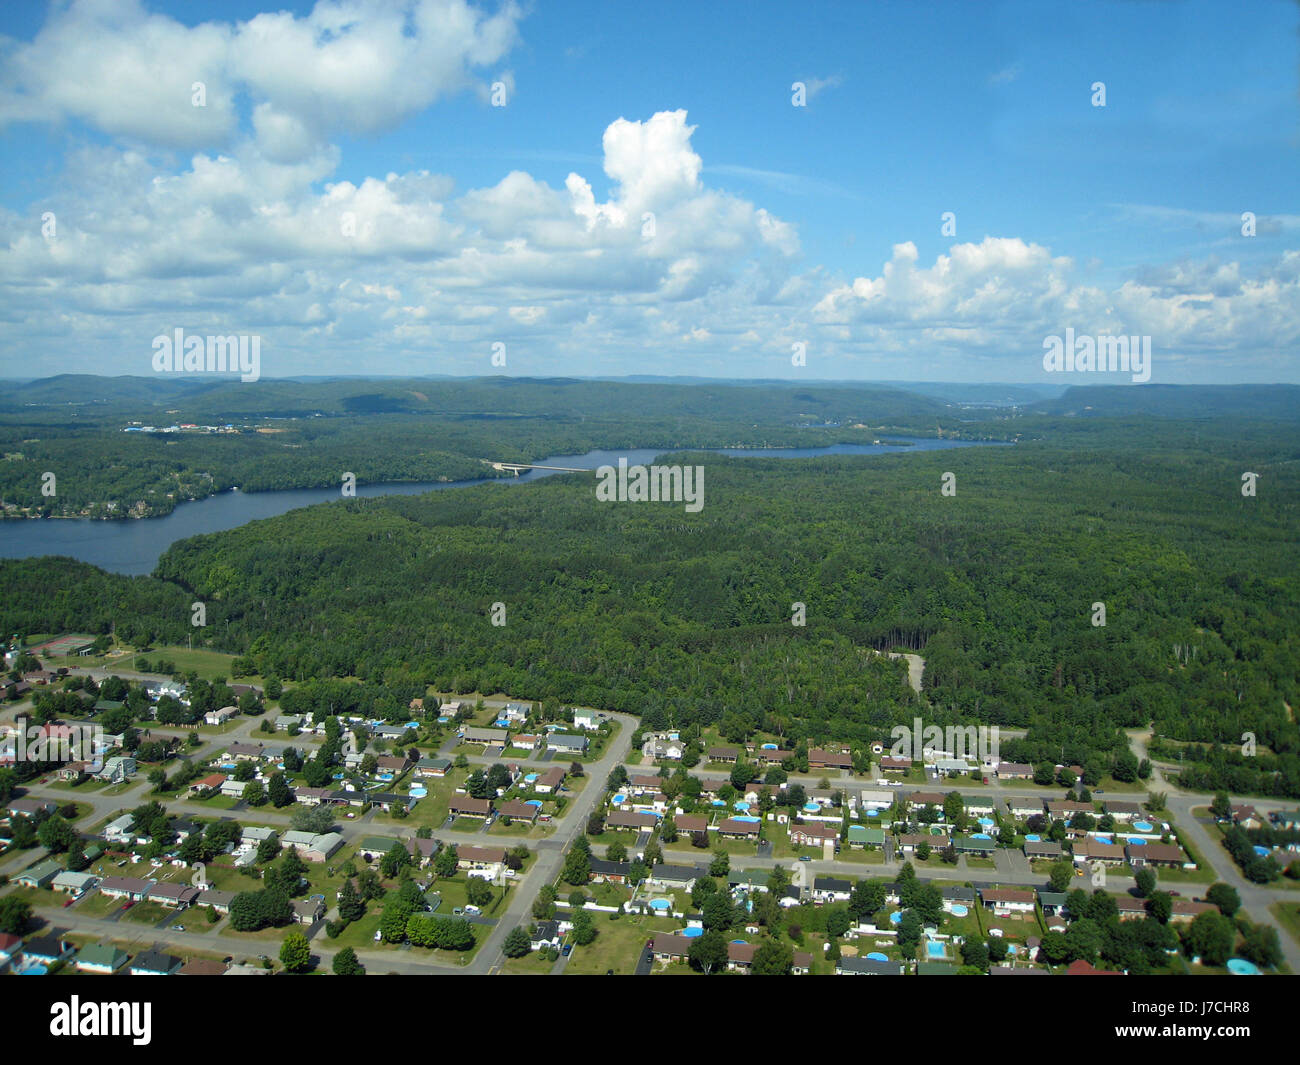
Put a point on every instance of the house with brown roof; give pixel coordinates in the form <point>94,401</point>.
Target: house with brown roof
<point>485,862</point>
<point>1086,968</point>
<point>549,781</point>
<point>690,823</point>
<point>668,947</point>
<point>467,806</point>
<point>624,820</point>
<point>1015,771</point>
<point>1185,910</point>
<point>202,967</point>
<point>174,896</point>
<point>1166,854</point>
<point>813,834</point>
<point>519,811</point>
<point>212,780</point>
<point>733,829</point>
<point>1090,850</point>
<point>728,755</point>
<point>890,763</point>
<point>125,887</point>
<point>820,758</point>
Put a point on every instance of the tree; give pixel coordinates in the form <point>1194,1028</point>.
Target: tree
<point>351,906</point>
<point>708,952</point>
<point>1211,936</point>
<point>446,863</point>
<point>77,860</point>
<point>721,864</point>
<point>395,860</point>
<point>1145,880</point>
<point>544,904</point>
<point>478,891</point>
<point>315,819</point>
<point>14,915</point>
<point>517,943</point>
<point>56,835</point>
<point>1221,806</point>
<point>346,963</point>
<point>295,953</point>
<point>772,959</point>
<point>667,831</point>
<point>1225,897</point>
<point>1062,876</point>
<point>718,912</point>
<point>269,849</point>
<point>1160,906</point>
<point>975,953</point>
<point>909,932</point>
<point>1261,945</point>
<point>577,866</point>
<point>277,788</point>
<point>584,930</point>
<point>616,852</point>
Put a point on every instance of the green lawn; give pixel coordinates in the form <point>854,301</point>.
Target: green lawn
<point>617,944</point>
<point>147,913</point>
<point>1288,916</point>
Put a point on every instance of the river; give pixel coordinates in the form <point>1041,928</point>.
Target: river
<point>133,547</point>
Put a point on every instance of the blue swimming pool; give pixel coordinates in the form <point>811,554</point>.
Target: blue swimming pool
<point>1033,839</point>
<point>419,793</point>
<point>958,910</point>
<point>980,835</point>
<point>769,746</point>
<point>1136,841</point>
<point>934,949</point>
<point>875,955</point>
<point>533,802</point>
<point>1142,826</point>
<point>751,820</point>
<point>619,800</point>
<point>661,904</point>
<point>1242,967</point>
<point>896,917</point>
<point>986,822</point>
<point>529,778</point>
<point>811,807</point>
<point>692,933</point>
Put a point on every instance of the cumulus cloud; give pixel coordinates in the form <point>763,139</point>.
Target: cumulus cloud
<point>355,66</point>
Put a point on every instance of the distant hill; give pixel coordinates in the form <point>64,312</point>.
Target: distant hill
<point>1266,402</point>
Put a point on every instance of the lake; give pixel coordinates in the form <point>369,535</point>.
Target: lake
<point>133,547</point>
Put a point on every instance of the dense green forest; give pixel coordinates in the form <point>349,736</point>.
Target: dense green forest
<point>685,617</point>
<point>306,435</point>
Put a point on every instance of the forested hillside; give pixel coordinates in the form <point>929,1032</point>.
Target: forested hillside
<point>682,617</point>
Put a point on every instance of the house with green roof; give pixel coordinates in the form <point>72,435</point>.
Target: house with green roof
<point>862,836</point>
<point>100,958</point>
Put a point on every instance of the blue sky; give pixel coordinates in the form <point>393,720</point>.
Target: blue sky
<point>774,225</point>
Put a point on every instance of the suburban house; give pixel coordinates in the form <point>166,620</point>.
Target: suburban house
<point>545,934</point>
<point>1025,807</point>
<point>1003,901</point>
<point>154,963</point>
<point>519,811</point>
<point>668,947</point>
<point>311,846</point>
<point>1122,811</point>
<point>31,807</point>
<point>1167,854</point>
<point>119,830</point>
<point>516,713</point>
<point>11,950</point>
<point>39,876</point>
<point>813,834</point>
<point>613,872</point>
<point>586,719</point>
<point>212,780</point>
<point>1091,850</point>
<point>728,755</point>
<point>957,895</point>
<point>174,896</point>
<point>466,806</point>
<point>525,741</point>
<point>688,824</point>
<point>488,737</point>
<point>675,876</point>
<point>1065,809</point>
<point>217,900</point>
<point>1185,910</point>
<point>232,788</point>
<point>308,911</point>
<point>1289,819</point>
<point>1042,849</point>
<point>125,887</point>
<point>662,746</point>
<point>424,850</point>
<point>432,767</point>
<point>823,759</point>
<point>978,847</point>
<point>1052,902</point>
<point>245,752</point>
<point>550,781</point>
<point>867,967</point>
<point>1245,816</point>
<point>220,717</point>
<point>733,829</point>
<point>623,820</point>
<point>74,883</point>
<point>831,889</point>
<point>565,743</point>
<point>44,951</point>
<point>893,764</point>
<point>485,862</point>
<point>116,769</point>
<point>1015,771</point>
<point>861,836</point>
<point>100,959</point>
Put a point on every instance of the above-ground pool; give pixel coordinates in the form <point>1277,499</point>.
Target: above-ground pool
<point>958,910</point>
<point>769,746</point>
<point>227,765</point>
<point>443,720</point>
<point>981,835</point>
<point>986,822</point>
<point>529,778</point>
<point>384,776</point>
<point>661,904</point>
<point>743,807</point>
<point>1136,841</point>
<point>1033,839</point>
<point>1263,852</point>
<point>533,802</point>
<point>692,933</point>
<point>1242,967</point>
<point>875,955</point>
<point>1105,841</point>
<point>934,948</point>
<point>896,917</point>
<point>811,807</point>
<point>750,820</point>
<point>873,813</point>
<point>419,793</point>
<point>619,800</point>
<point>1142,826</point>
<point>718,802</point>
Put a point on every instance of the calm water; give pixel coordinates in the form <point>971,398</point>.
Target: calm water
<point>133,547</point>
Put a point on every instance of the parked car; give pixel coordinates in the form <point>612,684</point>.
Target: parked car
<point>568,949</point>
<point>804,858</point>
<point>458,911</point>
<point>473,911</point>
